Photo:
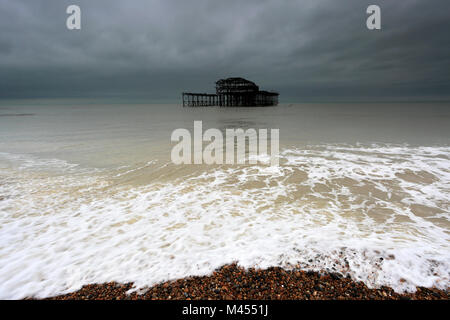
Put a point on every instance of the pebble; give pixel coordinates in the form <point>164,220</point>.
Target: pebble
<point>232,282</point>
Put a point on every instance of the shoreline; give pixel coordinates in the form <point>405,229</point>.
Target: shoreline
<point>231,282</point>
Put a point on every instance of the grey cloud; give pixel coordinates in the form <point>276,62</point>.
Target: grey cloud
<point>307,50</point>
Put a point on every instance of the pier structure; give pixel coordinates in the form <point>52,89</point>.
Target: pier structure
<point>199,99</point>
<point>232,92</point>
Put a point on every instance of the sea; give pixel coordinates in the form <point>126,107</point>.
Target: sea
<point>89,194</point>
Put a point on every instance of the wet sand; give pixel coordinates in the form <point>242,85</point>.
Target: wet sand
<point>234,283</point>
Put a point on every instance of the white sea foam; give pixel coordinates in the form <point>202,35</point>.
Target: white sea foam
<point>379,213</point>
<point>134,169</point>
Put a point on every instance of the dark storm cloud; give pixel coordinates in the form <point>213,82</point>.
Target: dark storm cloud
<point>307,50</point>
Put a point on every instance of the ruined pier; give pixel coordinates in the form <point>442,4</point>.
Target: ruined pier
<point>232,92</point>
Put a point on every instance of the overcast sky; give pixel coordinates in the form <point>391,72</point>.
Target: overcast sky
<point>305,49</point>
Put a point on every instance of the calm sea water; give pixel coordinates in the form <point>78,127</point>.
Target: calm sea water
<point>88,194</point>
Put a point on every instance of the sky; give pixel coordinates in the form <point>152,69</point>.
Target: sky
<point>307,50</point>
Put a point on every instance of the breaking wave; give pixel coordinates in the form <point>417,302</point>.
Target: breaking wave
<point>379,213</point>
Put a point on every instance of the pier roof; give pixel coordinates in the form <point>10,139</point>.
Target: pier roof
<point>235,85</point>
